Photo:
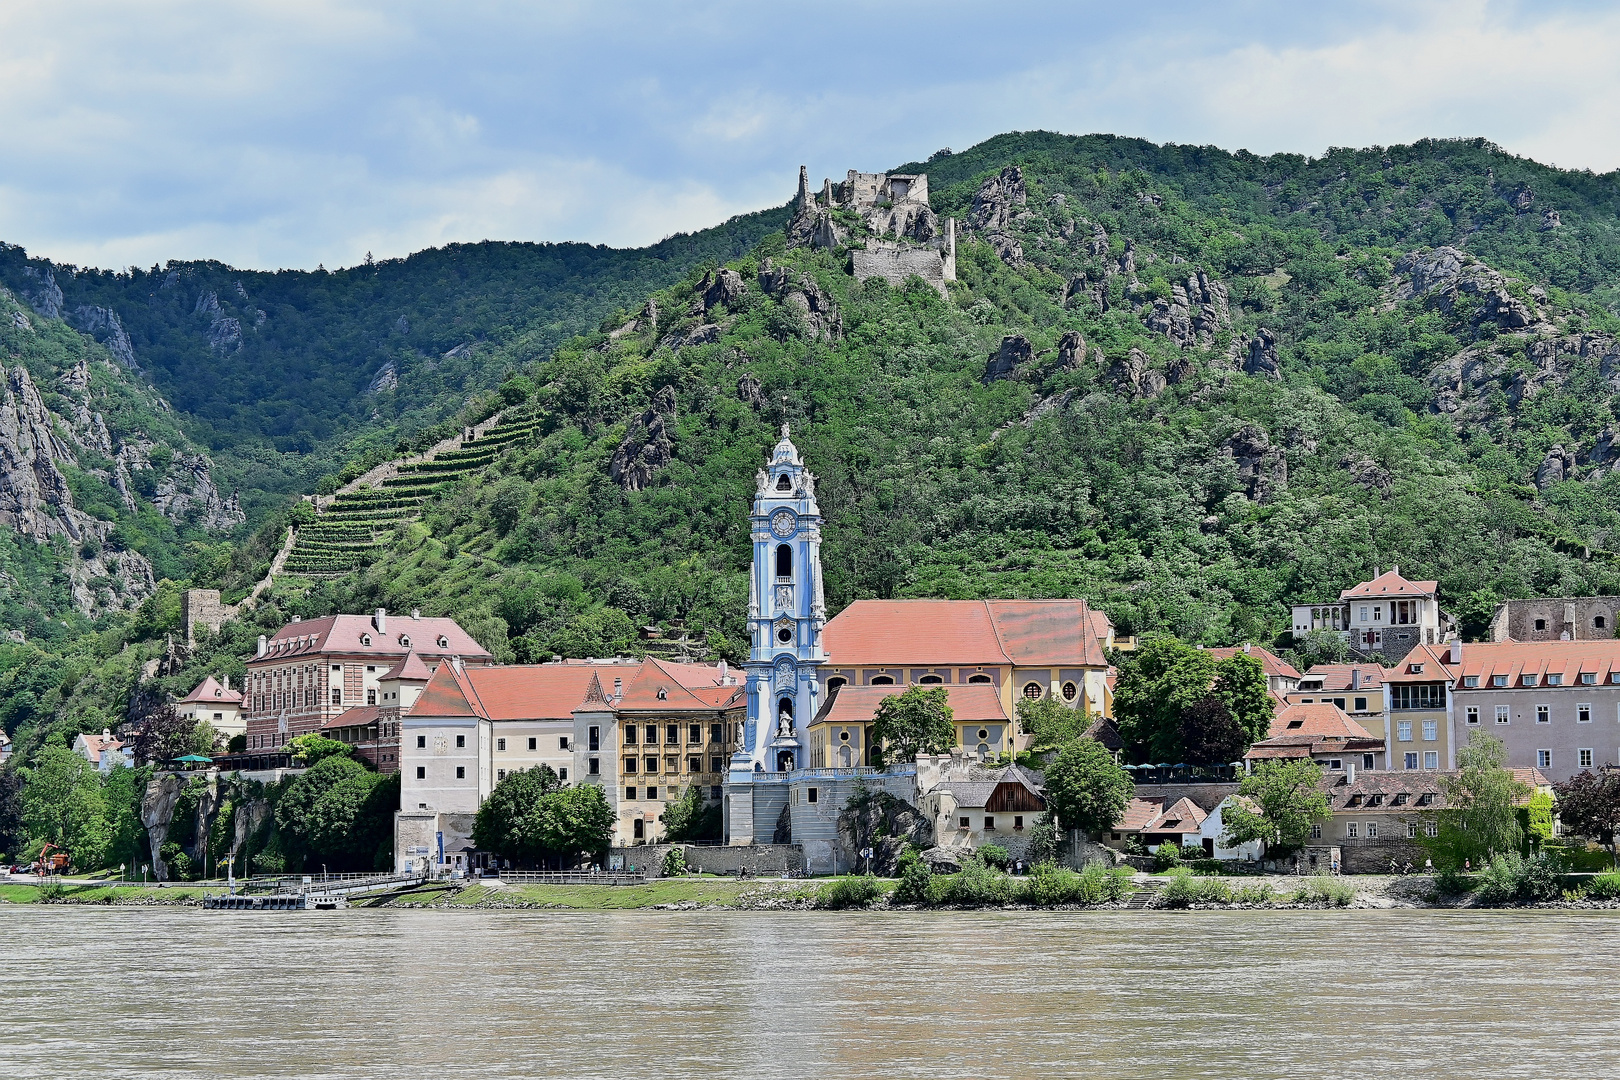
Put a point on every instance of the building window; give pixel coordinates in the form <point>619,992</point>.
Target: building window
<point>811,794</point>
<point>1364,614</point>
<point>1418,696</point>
<point>596,739</point>
<point>1583,714</point>
<point>595,766</point>
<point>1350,829</point>
<point>961,823</point>
<point>652,764</point>
<point>694,734</point>
<point>1316,830</point>
<point>337,697</point>
<point>500,774</point>
<point>1499,680</point>
<point>1403,730</point>
<point>630,795</point>
<point>784,561</point>
<point>1543,714</point>
<point>1070,691</point>
<point>1599,622</point>
<point>1032,691</point>
<point>672,734</point>
<point>652,734</point>
<point>629,766</point>
<point>882,680</point>
<point>978,680</point>
<point>641,829</point>
<point>716,793</point>
<point>1431,730</point>
<point>1411,761</point>
<point>1431,828</point>
<point>562,773</point>
<point>461,772</point>
<point>1366,761</point>
<point>1473,714</point>
<point>652,793</point>
<point>1411,830</point>
<point>461,741</point>
<point>1018,823</point>
<point>1431,759</point>
<point>1372,830</point>
<point>421,742</point>
<point>371,697</point>
<point>1335,765</point>
<point>694,765</point>
<point>989,824</point>
<point>930,680</point>
<point>1361,704</point>
<point>1588,678</point>
<point>1543,759</point>
<point>500,744</point>
<point>1470,681</point>
<point>629,734</point>
<point>716,733</point>
<point>1584,758</point>
<point>421,772</point>
<point>1555,680</point>
<point>835,684</point>
<point>1501,714</point>
<point>1541,624</point>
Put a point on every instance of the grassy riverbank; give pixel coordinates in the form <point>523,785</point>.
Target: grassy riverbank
<point>132,895</point>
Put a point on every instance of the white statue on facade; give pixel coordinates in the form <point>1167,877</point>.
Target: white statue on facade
<point>784,726</point>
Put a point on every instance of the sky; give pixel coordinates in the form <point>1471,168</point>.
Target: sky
<point>296,133</point>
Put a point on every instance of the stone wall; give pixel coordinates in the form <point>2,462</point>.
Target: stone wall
<point>755,858</point>
<point>896,265</point>
<point>202,608</point>
<point>1364,856</point>
<point>1573,618</point>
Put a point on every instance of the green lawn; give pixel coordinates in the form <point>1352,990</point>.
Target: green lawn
<point>99,894</point>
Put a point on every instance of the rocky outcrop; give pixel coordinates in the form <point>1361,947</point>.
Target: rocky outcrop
<point>1261,357</point>
<point>247,819</point>
<point>224,331</point>
<point>1261,467</point>
<point>1445,276</point>
<point>1556,467</point>
<point>1071,351</point>
<point>1550,220</point>
<point>104,325</point>
<point>387,378</point>
<point>1136,372</point>
<point>1196,311</point>
<point>34,495</point>
<point>188,493</point>
<point>813,225</point>
<point>157,811</point>
<point>884,824</point>
<point>87,426</point>
<point>1368,473</point>
<point>706,334</point>
<point>998,201</point>
<point>42,292</point>
<point>750,392</point>
<point>646,447</point>
<point>816,309</point>
<point>1465,384</point>
<point>1015,351</point>
<point>719,289</point>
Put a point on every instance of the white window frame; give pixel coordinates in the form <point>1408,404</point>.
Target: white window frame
<point>1504,715</point>
<point>1543,714</point>
<point>1403,731</point>
<point>1473,715</point>
<point>1431,730</point>
<point>1583,713</point>
<point>1350,830</point>
<point>1372,830</point>
<point>1431,760</point>
<point>1411,830</point>
<point>1584,758</point>
<point>1431,828</point>
<point>1543,758</point>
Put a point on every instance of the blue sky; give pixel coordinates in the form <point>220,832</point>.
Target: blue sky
<point>293,133</point>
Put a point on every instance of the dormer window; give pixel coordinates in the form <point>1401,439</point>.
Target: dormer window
<point>365,639</point>
<point>444,642</point>
<point>1292,724</point>
<point>1470,680</point>
<point>663,694</point>
<point>405,641</point>
<point>783,483</point>
<point>1415,669</point>
<point>1555,680</point>
<point>1501,680</point>
<point>1528,680</point>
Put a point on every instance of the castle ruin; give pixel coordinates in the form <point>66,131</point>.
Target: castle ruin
<point>902,236</point>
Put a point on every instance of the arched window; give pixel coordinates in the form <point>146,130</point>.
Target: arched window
<point>979,680</point>
<point>835,684</point>
<point>930,680</point>
<point>783,483</point>
<point>1599,621</point>
<point>1070,691</point>
<point>882,680</point>
<point>784,707</point>
<point>1032,691</point>
<point>784,561</point>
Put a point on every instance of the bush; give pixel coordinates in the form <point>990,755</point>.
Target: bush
<point>1512,878</point>
<point>1604,887</point>
<point>675,862</point>
<point>916,881</point>
<point>1324,890</point>
<point>1051,885</point>
<point>850,892</point>
<point>975,885</point>
<point>1258,895</point>
<point>1185,889</point>
<point>995,855</point>
<point>1452,882</point>
<point>1166,856</point>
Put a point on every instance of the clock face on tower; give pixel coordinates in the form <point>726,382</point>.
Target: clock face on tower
<point>784,523</point>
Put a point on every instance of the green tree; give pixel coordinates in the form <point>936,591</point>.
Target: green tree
<point>511,822</point>
<point>1282,800</point>
<point>1481,815</point>
<point>1161,703</point>
<point>915,722</point>
<point>63,805</point>
<point>1240,685</point>
<point>310,817</point>
<point>577,821</point>
<point>691,818</point>
<point>313,748</point>
<point>1051,722</point>
<point>1086,789</point>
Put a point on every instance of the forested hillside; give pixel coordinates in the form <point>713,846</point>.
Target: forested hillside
<point>1192,386</point>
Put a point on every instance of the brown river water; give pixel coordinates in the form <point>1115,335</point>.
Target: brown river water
<point>149,992</point>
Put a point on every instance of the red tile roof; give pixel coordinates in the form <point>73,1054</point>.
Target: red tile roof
<point>410,669</point>
<point>345,634</point>
<point>96,745</point>
<point>211,691</point>
<point>858,704</point>
<point>1389,585</point>
<point>359,716</point>
<point>1139,811</point>
<point>1182,816</point>
<point>1035,633</point>
<point>554,691</point>
<point>1273,665</point>
<point>1515,659</point>
<point>1320,720</point>
<point>1336,677</point>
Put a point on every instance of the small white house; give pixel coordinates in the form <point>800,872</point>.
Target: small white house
<point>1211,829</point>
<point>103,751</point>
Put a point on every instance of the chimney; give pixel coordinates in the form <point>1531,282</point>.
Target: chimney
<point>1247,646</point>
<point>1377,573</point>
<point>416,613</point>
<point>1349,772</point>
<point>1456,650</point>
<point>618,688</point>
<point>1355,678</point>
<point>455,664</point>
<point>106,734</point>
<point>298,618</point>
<point>1396,569</point>
<point>263,645</point>
<point>226,682</point>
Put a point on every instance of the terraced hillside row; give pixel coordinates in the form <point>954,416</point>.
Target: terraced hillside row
<point>348,531</point>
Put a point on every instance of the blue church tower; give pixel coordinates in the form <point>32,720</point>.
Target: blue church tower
<point>786,612</point>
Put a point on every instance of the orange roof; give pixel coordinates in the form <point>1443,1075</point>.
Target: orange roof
<point>1321,720</point>
<point>1336,677</point>
<point>858,704</point>
<point>359,716</point>
<point>1543,660</point>
<point>95,745</point>
<point>1140,811</point>
<point>1389,585</point>
<point>1433,663</point>
<point>1033,633</point>
<point>410,669</point>
<point>211,691</point>
<point>1270,662</point>
<point>1183,816</point>
<point>554,691</point>
<point>346,634</point>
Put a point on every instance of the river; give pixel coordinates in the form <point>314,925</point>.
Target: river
<point>155,992</point>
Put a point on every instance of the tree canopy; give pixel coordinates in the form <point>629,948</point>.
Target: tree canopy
<point>1176,703</point>
<point>1280,802</point>
<point>917,721</point>
<point>531,819</point>
<point>1085,788</point>
<point>1481,815</point>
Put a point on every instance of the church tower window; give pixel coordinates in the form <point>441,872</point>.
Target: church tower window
<point>783,483</point>
<point>784,561</point>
